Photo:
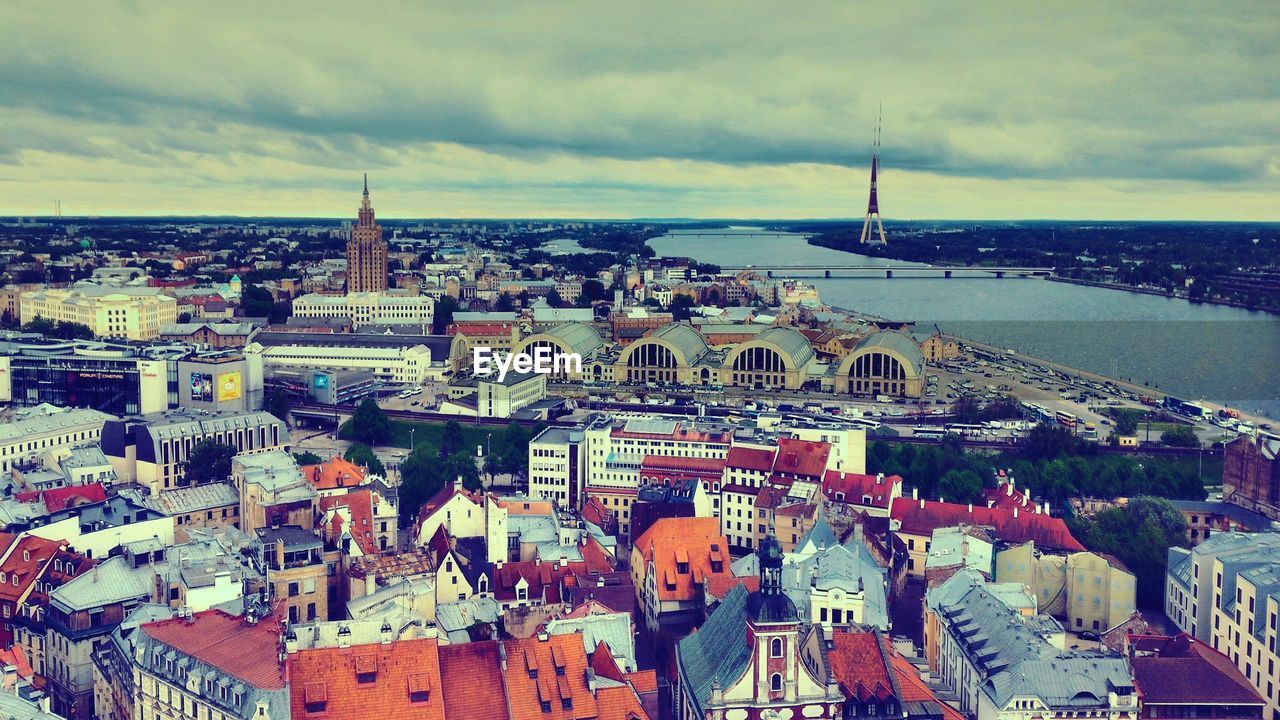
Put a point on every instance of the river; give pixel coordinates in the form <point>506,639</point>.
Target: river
<point>1212,352</point>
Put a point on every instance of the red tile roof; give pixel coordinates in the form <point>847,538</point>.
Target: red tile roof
<point>857,662</point>
<point>333,473</point>
<point>57,499</point>
<point>1185,671</point>
<point>694,544</point>
<point>603,664</point>
<point>544,579</point>
<point>853,488</point>
<point>24,562</point>
<point>922,517</point>
<point>719,585</point>
<point>1006,497</point>
<point>802,457</point>
<point>359,505</point>
<point>596,513</point>
<point>467,674</point>
<point>227,642</point>
<point>405,684</point>
<point>749,458</point>
<point>545,673</point>
<point>481,329</point>
<point>912,688</point>
<point>664,466</point>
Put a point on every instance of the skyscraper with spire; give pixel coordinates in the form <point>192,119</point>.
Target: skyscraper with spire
<point>366,251</point>
<point>873,204</point>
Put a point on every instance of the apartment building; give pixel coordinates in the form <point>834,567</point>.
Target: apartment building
<point>151,449</point>
<point>368,308</point>
<point>111,312</point>
<point>47,433</point>
<point>1225,592</point>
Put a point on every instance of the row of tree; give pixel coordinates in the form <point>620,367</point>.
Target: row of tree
<point>1052,464</point>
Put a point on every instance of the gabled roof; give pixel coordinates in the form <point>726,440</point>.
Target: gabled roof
<point>469,674</point>
<point>801,457</point>
<point>1185,671</point>
<point>58,499</point>
<point>247,651</point>
<point>548,673</point>
<point>716,651</point>
<point>858,664</point>
<point>693,545</point>
<point>853,488</point>
<point>921,517</point>
<point>749,458</point>
<point>333,473</point>
<point>405,684</point>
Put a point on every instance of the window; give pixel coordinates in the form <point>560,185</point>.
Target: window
<point>775,682</point>
<point>775,647</point>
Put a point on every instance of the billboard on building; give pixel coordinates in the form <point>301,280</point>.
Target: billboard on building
<point>321,381</point>
<point>230,386</point>
<point>202,387</point>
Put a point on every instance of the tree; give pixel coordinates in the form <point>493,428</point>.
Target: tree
<point>421,477</point>
<point>451,439</point>
<point>679,307</point>
<point>442,314</point>
<point>1180,436</point>
<point>58,329</point>
<point>965,408</point>
<point>462,466</point>
<point>369,425</point>
<point>257,301</point>
<point>513,452</point>
<point>592,290</point>
<point>1140,535</point>
<point>1126,422</point>
<point>184,317</point>
<point>208,462</point>
<point>553,298</point>
<point>363,455</point>
<point>276,402</point>
<point>960,486</point>
<point>1046,442</point>
<point>504,303</point>
<point>307,458</point>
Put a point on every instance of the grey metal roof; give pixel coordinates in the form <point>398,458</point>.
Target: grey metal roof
<point>42,424</point>
<point>578,338</point>
<point>894,342</point>
<point>789,341</point>
<point>1248,518</point>
<point>688,342</point>
<point>109,582</point>
<point>613,628</point>
<point>196,498</point>
<point>1073,682</point>
<point>718,651</point>
<point>850,568</point>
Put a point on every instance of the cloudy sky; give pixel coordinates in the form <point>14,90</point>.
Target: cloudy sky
<point>642,109</point>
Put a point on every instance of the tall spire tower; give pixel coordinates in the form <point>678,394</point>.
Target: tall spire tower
<point>366,251</point>
<point>873,204</point>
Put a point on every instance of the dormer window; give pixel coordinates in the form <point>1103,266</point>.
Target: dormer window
<point>26,556</point>
<point>316,697</point>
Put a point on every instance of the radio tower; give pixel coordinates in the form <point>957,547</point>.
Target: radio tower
<point>873,204</point>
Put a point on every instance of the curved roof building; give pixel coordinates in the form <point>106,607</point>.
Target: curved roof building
<point>883,363</point>
<point>572,338</point>
<point>778,357</point>
<point>667,355</point>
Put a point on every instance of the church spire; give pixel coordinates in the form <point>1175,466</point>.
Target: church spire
<point>366,184</point>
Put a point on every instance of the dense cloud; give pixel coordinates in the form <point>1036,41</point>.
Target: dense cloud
<point>613,110</point>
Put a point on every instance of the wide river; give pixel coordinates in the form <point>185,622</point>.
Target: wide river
<point>1211,352</point>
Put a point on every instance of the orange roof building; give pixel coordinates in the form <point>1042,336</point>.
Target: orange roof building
<point>671,565</point>
<point>539,678</point>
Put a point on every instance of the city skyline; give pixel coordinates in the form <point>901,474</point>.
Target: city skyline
<point>1088,112</point>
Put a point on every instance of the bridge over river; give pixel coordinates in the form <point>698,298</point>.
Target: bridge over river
<point>853,272</point>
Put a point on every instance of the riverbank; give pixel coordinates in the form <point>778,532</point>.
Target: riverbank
<point>1160,293</point>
